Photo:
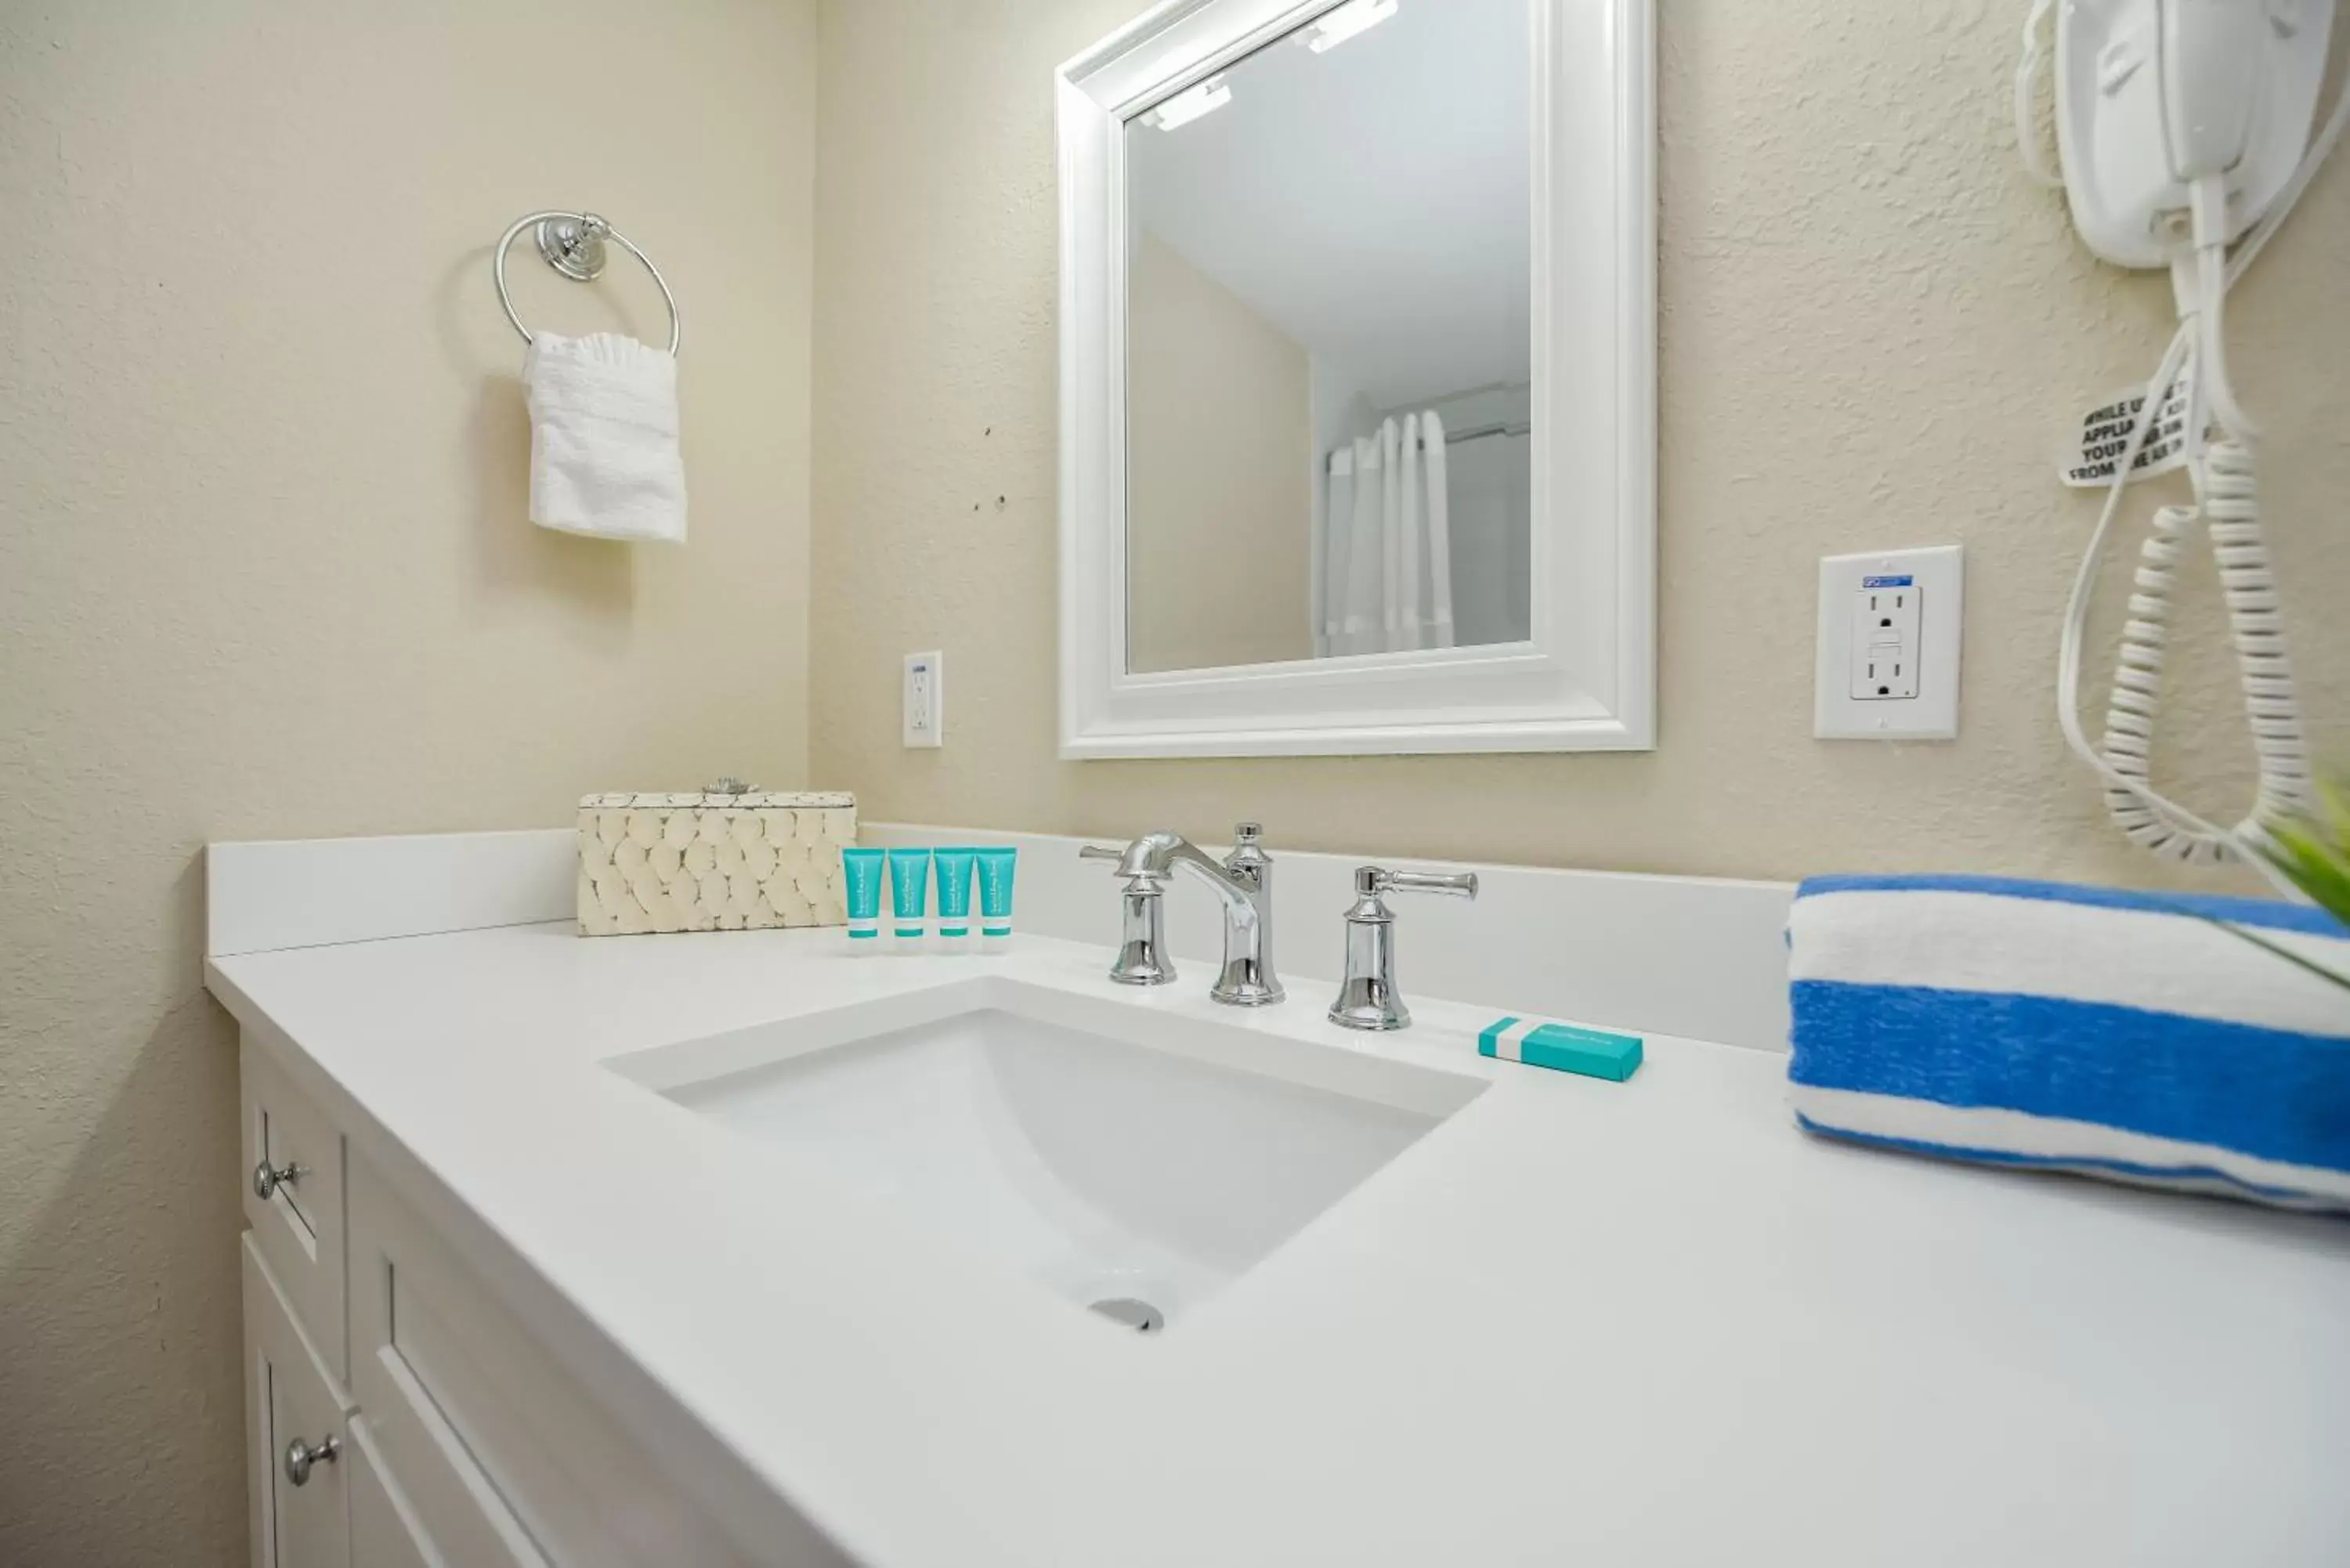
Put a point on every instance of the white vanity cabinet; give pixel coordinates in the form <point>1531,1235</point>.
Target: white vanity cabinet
<point>400,1414</point>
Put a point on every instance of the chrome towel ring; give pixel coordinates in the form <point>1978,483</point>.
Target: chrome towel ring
<point>573,245</point>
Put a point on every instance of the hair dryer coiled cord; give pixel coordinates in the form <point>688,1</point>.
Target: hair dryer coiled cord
<point>2227,504</point>
<point>2230,509</point>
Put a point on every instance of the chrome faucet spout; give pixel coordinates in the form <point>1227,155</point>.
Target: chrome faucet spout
<point>1164,852</point>
<point>1242,883</point>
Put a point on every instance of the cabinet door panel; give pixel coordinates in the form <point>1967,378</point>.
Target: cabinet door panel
<point>488,1432</point>
<point>301,1522</point>
<point>385,1531</point>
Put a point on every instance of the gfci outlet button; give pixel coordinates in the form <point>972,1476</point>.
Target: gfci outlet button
<point>1889,646</point>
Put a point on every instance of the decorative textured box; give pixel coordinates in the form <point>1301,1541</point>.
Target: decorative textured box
<point>725,859</point>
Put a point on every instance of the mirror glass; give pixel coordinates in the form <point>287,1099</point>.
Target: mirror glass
<point>1328,353</point>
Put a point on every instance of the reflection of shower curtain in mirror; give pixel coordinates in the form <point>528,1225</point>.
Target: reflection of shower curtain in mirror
<point>1490,547</point>
<point>1386,558</point>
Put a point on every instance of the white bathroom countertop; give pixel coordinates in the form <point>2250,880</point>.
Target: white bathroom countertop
<point>1578,1322</point>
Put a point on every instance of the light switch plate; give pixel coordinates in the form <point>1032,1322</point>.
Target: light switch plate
<point>1889,645</point>
<point>925,705</point>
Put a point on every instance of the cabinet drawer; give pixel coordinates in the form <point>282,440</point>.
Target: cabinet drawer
<point>292,1407</point>
<point>293,1183</point>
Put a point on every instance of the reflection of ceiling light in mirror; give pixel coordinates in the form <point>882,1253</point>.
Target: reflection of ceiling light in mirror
<point>1192,102</point>
<point>1356,16</point>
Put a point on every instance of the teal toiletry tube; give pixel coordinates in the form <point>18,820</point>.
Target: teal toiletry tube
<point>954,892</point>
<point>996,869</point>
<point>861,870</point>
<point>909,893</point>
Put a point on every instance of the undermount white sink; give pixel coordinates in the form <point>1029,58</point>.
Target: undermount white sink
<point>1127,1159</point>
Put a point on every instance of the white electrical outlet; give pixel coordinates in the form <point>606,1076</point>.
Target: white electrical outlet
<point>925,699</point>
<point>1889,646</point>
<point>1885,620</point>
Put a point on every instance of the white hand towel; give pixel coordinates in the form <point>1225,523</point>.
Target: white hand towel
<point>604,457</point>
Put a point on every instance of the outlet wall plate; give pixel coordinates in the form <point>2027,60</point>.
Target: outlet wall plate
<point>924,700</point>
<point>1890,624</point>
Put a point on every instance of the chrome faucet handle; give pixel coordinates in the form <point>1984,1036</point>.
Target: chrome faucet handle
<point>1370,881</point>
<point>1143,956</point>
<point>1367,997</point>
<point>1248,848</point>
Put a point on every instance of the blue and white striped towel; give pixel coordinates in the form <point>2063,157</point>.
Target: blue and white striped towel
<point>2111,1033</point>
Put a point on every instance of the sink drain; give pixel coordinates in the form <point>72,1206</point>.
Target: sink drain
<point>1137,1315</point>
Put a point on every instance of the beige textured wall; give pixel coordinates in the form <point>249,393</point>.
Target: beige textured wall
<point>1875,332</point>
<point>265,572</point>
<point>1220,454</point>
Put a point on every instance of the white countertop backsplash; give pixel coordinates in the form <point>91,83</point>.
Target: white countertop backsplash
<point>1698,956</point>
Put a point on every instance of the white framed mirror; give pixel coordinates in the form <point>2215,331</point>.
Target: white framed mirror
<point>1358,379</point>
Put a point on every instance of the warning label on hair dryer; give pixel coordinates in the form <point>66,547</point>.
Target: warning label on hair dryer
<point>2108,429</point>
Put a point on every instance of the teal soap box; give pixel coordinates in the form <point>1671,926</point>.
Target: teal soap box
<point>1562,1047</point>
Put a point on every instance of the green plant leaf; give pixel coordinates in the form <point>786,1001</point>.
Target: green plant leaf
<point>2334,804</point>
<point>2317,867</point>
<point>2247,934</point>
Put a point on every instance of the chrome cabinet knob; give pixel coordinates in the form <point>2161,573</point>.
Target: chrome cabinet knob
<point>267,1177</point>
<point>300,1455</point>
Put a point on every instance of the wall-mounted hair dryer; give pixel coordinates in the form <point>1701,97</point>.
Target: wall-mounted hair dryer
<point>2184,130</point>
<point>2154,95</point>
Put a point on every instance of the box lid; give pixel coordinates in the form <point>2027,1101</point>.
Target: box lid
<point>723,800</point>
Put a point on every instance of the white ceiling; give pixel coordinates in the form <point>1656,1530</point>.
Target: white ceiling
<point>1373,200</point>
